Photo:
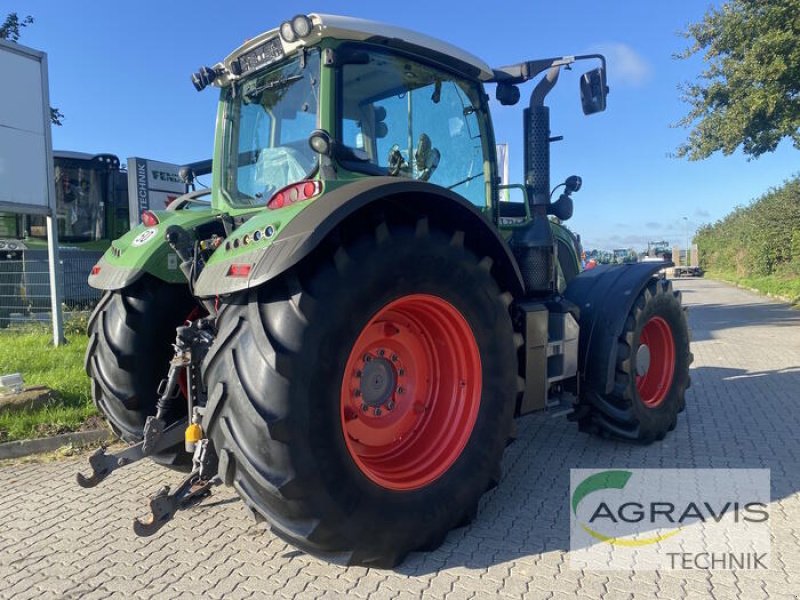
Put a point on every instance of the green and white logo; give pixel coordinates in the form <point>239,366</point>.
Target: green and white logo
<point>144,237</point>
<point>669,518</point>
<point>603,481</point>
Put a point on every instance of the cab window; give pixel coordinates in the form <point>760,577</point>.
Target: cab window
<point>409,119</point>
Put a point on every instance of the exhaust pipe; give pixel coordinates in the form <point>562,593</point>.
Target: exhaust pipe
<point>533,245</point>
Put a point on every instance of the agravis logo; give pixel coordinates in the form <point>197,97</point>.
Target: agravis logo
<point>603,481</point>
<point>624,518</point>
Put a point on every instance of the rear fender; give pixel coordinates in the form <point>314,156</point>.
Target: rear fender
<point>605,296</point>
<point>304,232</point>
<point>144,250</point>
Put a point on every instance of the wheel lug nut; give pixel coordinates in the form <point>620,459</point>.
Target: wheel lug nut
<point>377,412</point>
<point>401,372</point>
<point>394,357</point>
<point>356,393</point>
<point>381,352</point>
<point>390,405</point>
<point>367,358</point>
<point>364,407</point>
<point>401,390</point>
<point>358,374</point>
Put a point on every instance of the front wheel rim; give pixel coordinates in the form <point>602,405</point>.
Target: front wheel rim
<point>654,384</point>
<point>411,392</point>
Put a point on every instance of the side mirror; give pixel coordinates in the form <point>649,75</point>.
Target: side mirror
<point>594,91</point>
<point>573,183</point>
<point>562,208</point>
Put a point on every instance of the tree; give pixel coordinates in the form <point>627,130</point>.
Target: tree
<point>11,27</point>
<point>10,30</point>
<point>749,95</point>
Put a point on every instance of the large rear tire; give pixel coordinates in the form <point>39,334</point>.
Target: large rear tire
<point>652,371</point>
<point>362,403</point>
<point>131,332</point>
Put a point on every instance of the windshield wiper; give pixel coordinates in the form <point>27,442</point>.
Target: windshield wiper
<point>463,181</point>
<point>271,85</point>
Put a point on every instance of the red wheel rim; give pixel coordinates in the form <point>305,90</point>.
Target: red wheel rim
<point>411,392</point>
<point>656,358</point>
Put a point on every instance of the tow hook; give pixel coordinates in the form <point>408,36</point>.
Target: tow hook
<point>164,504</point>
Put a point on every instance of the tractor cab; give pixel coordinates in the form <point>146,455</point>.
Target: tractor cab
<point>372,100</point>
<point>332,99</point>
<point>323,100</point>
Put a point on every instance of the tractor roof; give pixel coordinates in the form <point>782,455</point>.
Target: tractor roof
<point>349,28</point>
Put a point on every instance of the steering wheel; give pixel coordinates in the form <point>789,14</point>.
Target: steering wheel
<point>426,158</point>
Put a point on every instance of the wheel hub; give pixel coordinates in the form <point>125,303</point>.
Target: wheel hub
<point>642,360</point>
<point>411,392</point>
<point>655,362</point>
<point>378,382</point>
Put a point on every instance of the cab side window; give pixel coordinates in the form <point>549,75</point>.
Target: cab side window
<point>414,121</point>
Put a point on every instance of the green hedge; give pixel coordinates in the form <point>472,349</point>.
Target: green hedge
<point>758,240</point>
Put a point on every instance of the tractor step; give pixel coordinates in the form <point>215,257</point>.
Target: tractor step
<point>560,405</point>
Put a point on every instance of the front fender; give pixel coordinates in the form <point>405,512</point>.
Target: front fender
<point>605,296</point>
<point>308,227</point>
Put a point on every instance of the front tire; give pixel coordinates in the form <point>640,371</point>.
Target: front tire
<point>652,371</point>
<point>362,403</point>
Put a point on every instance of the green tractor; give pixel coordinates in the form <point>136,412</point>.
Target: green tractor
<point>360,317</point>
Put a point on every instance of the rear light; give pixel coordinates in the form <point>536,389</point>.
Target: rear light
<point>149,218</point>
<point>238,270</point>
<point>95,270</point>
<point>297,192</point>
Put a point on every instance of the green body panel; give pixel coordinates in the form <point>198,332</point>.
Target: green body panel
<point>562,233</point>
<point>242,245</point>
<point>559,233</point>
<point>144,250</point>
<point>217,200</point>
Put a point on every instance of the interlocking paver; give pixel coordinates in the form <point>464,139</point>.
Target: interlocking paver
<point>743,410</point>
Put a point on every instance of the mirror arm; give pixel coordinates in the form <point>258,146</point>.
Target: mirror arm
<point>522,72</point>
<point>546,83</point>
<point>599,57</point>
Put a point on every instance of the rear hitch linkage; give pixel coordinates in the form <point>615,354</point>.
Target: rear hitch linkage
<point>191,345</point>
<point>103,464</point>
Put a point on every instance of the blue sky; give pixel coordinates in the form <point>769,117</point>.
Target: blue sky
<point>120,73</point>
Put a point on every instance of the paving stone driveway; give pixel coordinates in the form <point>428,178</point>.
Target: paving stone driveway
<point>59,541</point>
